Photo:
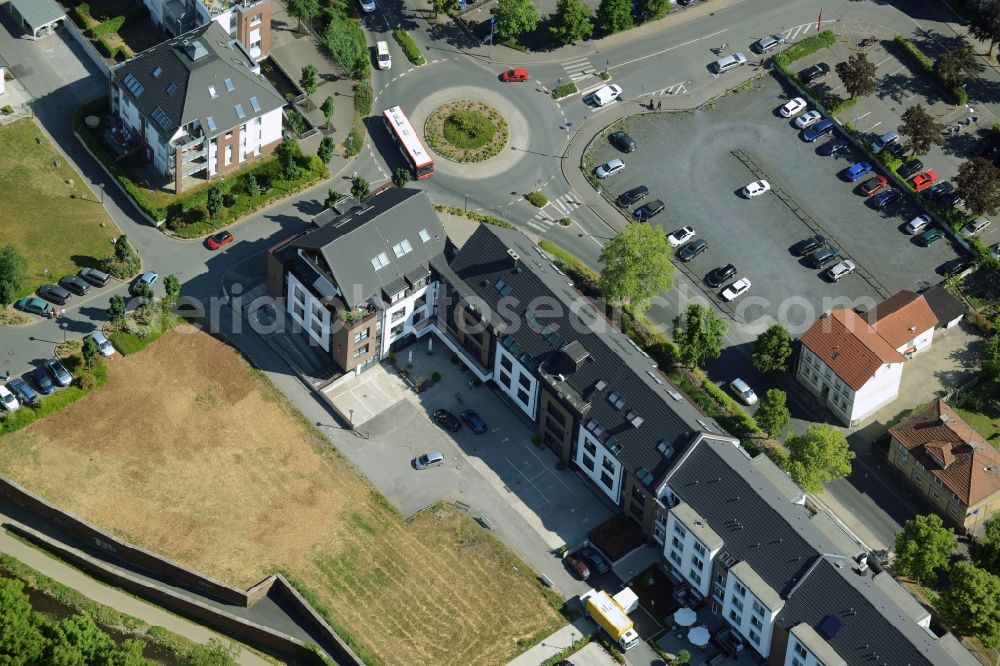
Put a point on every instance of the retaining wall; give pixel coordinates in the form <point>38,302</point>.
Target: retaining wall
<point>88,47</point>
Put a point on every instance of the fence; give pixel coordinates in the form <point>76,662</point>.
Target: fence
<point>88,48</point>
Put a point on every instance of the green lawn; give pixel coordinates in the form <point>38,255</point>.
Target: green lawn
<point>978,408</point>
<point>39,217</point>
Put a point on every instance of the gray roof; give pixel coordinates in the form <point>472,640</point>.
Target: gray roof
<point>172,83</point>
<point>944,306</point>
<point>349,242</point>
<point>37,13</point>
<point>857,614</point>
<point>647,413</point>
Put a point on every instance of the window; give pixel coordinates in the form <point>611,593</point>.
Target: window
<point>758,608</point>
<point>396,330</point>
<point>557,416</point>
<point>240,113</point>
<point>171,88</point>
<point>397,315</point>
<point>635,510</point>
<point>229,85</point>
<point>755,621</point>
<point>381,261</point>
<point>637,494</point>
<point>229,155</point>
<point>157,72</point>
<point>695,576</point>
<point>696,561</point>
<point>737,604</point>
<point>362,335</point>
<point>360,351</point>
<point>588,463</point>
<point>420,302</point>
<point>255,19</point>
<point>734,616</point>
<point>506,364</point>
<point>677,543</point>
<point>754,636</point>
<point>522,395</point>
<point>255,45</point>
<point>503,288</point>
<point>679,531</point>
<point>161,118</point>
<point>659,528</point>
<point>590,448</point>
<point>801,651</point>
<point>607,480</point>
<point>132,85</point>
<point>212,92</point>
<point>740,590</point>
<point>402,248</point>
<point>424,236</point>
<point>675,558</point>
<point>255,104</point>
<point>608,465</point>
<point>700,549</point>
<point>505,379</point>
<point>524,381</point>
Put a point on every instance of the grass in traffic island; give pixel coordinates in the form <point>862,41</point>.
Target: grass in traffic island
<point>466,131</point>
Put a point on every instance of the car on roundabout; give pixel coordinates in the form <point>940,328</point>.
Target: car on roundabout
<point>514,76</point>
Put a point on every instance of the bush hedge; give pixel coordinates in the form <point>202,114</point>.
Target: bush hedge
<point>364,97</point>
<point>806,47</point>
<point>926,63</point>
<point>537,199</point>
<point>86,21</point>
<point>565,90</point>
<point>473,215</point>
<point>107,27</point>
<point>410,48</point>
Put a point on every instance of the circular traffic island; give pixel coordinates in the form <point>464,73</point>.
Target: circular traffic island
<point>466,131</point>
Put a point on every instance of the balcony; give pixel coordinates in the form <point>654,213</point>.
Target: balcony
<point>194,167</point>
<point>191,155</point>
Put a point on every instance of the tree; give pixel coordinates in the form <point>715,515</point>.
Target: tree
<point>978,182</point>
<point>614,15</point>
<point>325,150</point>
<point>959,65</point>
<point>985,552</point>
<point>253,187</point>
<point>858,75</point>
<point>985,25</point>
<point>13,274</point>
<point>698,334</point>
<point>921,130</point>
<point>683,657</point>
<point>655,9</point>
<point>308,79</point>
<point>516,17</point>
<point>971,603</point>
<point>213,653</point>
<point>116,309</point>
<point>571,22</point>
<point>772,414</point>
<point>400,177</point>
<point>172,286</point>
<point>332,198</point>
<point>989,366</point>
<point>303,10</point>
<point>923,546</point>
<point>637,266</point>
<point>21,638</point>
<point>772,350</point>
<point>123,249</point>
<point>444,6</point>
<point>288,153</point>
<point>819,456</point>
<point>215,203</point>
<point>341,38</point>
<point>360,188</point>
<point>327,108</point>
<point>91,356</point>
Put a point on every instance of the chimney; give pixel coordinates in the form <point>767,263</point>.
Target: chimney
<point>515,257</point>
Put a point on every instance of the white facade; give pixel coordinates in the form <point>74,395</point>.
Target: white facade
<point>516,381</point>
<point>748,615</point>
<point>400,317</point>
<point>599,464</point>
<point>850,405</point>
<point>798,654</point>
<point>918,343</point>
<point>688,556</point>
<point>308,311</point>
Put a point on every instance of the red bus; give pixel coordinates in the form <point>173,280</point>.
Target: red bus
<point>409,143</point>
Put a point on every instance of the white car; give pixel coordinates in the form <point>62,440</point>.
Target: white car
<point>846,267</point>
<point>755,188</point>
<point>609,168</point>
<point>8,400</point>
<point>743,391</point>
<point>680,236</point>
<point>793,107</point>
<point>606,95</point>
<point>367,5</point>
<point>808,119</point>
<point>976,228</point>
<point>736,289</point>
<point>918,224</point>
<point>103,344</point>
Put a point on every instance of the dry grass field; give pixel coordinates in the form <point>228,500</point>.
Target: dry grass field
<point>188,452</point>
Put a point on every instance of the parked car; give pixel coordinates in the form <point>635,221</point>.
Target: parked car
<point>606,94</point>
<point>715,277</point>
<point>887,198</point>
<point>578,565</point>
<point>765,44</point>
<point>58,371</point>
<point>873,185</point>
<point>814,73</point>
<point>219,239</point>
<point>910,168</point>
<point>792,107</point>
<point>995,250</point>
<point>808,119</point>
<point>25,394</point>
<point>514,76</point>
<point>824,256</point>
<point>624,142</point>
<point>858,171</point>
<point>678,237</point>
<point>367,5</point>
<point>924,180</point>
<point>75,284</point>
<point>930,236</point>
<point>845,267</point>
<point>474,421</point>
<point>8,400</point>
<point>756,188</point>
<point>897,149</point>
<point>609,168</point>
<point>939,190</point>
<point>736,289</point>
<point>595,560</point>
<point>743,391</point>
<point>34,306</point>
<point>104,345</point>
<point>94,276</point>
<point>648,210</point>
<point>811,244</point>
<point>833,147</point>
<point>956,266</point>
<point>148,278</point>
<point>726,63</point>
<point>917,224</point>
<point>447,420</point>
<point>880,143</point>
<point>427,460</point>
<point>692,249</point>
<point>976,228</point>
<point>632,196</point>
<point>43,381</point>
<point>819,130</point>
<point>55,294</point>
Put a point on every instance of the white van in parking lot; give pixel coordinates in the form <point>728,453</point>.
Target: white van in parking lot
<point>382,56</point>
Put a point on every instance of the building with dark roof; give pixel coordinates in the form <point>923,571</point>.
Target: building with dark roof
<point>248,21</point>
<point>948,309</point>
<point>197,105</point>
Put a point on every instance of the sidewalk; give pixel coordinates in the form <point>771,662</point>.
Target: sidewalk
<point>555,643</point>
<point>109,596</point>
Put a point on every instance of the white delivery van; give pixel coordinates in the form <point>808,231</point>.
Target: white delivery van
<point>382,56</point>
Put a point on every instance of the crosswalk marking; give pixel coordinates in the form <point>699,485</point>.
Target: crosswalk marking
<point>565,204</point>
<point>676,89</point>
<point>803,30</point>
<point>540,222</point>
<point>577,69</point>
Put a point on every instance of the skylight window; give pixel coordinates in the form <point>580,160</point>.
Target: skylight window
<point>161,118</point>
<point>255,104</point>
<point>132,85</point>
<point>402,248</point>
<point>157,72</point>
<point>229,85</point>
<point>212,92</point>
<point>503,287</point>
<point>171,88</point>
<point>210,121</point>
<point>424,236</point>
<point>381,261</point>
<point>240,113</point>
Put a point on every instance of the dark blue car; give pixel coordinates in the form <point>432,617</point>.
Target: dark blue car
<point>886,198</point>
<point>474,421</point>
<point>858,171</point>
<point>820,129</point>
<point>43,381</point>
<point>25,394</point>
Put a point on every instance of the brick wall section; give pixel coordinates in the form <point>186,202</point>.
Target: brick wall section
<point>244,27</point>
<point>233,143</point>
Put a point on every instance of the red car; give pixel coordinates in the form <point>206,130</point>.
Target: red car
<point>218,240</point>
<point>578,565</point>
<point>514,75</point>
<point>873,185</point>
<point>924,180</point>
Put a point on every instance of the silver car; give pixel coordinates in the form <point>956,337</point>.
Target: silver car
<point>609,168</point>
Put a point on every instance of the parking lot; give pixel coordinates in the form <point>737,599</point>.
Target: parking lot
<point>700,161</point>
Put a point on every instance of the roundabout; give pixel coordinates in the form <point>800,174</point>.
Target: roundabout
<point>466,131</point>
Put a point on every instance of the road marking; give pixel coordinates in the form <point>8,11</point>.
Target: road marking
<point>544,467</point>
<point>540,222</point>
<point>874,126</point>
<point>566,203</point>
<point>676,89</point>
<point>667,50</point>
<point>579,68</point>
<point>803,29</point>
<point>518,470</point>
<point>862,116</point>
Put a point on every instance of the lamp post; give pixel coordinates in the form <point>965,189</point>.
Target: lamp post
<point>466,203</point>
<point>102,193</point>
<point>64,325</point>
<point>350,416</point>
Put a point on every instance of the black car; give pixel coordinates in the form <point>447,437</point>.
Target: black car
<point>623,141</point>
<point>897,149</point>
<point>635,194</point>
<point>823,256</point>
<point>54,293</point>
<point>833,147</point>
<point>817,71</point>
<point>94,276</point>
<point>717,276</point>
<point>940,189</point>
<point>75,284</point>
<point>691,250</point>
<point>646,211</point>
<point>447,420</point>
<point>911,168</point>
<point>43,381</point>
<point>887,198</point>
<point>804,247</point>
<point>956,266</point>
